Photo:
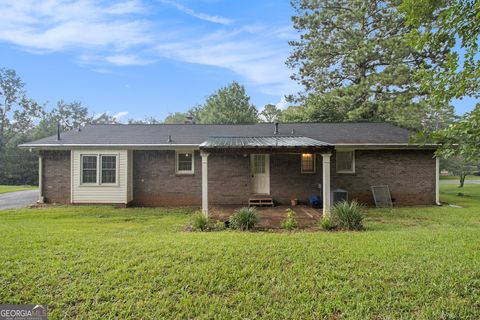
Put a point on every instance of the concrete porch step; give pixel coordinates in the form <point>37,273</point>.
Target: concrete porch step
<point>260,201</point>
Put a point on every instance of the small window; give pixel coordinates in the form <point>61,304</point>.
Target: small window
<point>258,163</point>
<point>185,162</point>
<point>345,161</point>
<point>308,163</point>
<point>109,169</point>
<point>89,169</point>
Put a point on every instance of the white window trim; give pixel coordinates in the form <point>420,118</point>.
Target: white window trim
<point>117,156</point>
<point>81,170</point>
<point>99,170</point>
<point>314,164</point>
<point>192,152</point>
<point>353,161</point>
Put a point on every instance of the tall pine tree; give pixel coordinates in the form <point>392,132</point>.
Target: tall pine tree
<point>354,63</point>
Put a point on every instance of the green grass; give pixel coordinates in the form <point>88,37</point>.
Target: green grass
<point>100,263</point>
<point>5,189</point>
<point>458,178</point>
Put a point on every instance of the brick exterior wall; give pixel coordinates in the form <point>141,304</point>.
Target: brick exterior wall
<point>155,182</point>
<point>287,182</point>
<point>56,176</point>
<point>410,175</point>
<point>229,178</point>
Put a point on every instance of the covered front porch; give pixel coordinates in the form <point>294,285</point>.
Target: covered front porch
<point>280,167</point>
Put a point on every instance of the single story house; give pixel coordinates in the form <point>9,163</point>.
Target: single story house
<point>196,164</point>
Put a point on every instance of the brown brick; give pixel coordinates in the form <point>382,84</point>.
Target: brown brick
<point>155,182</point>
<point>56,176</point>
<point>410,175</point>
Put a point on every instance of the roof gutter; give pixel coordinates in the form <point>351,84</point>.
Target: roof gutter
<point>384,146</point>
<point>179,145</point>
<point>100,145</point>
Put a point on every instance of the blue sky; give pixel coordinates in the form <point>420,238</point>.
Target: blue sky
<point>135,58</point>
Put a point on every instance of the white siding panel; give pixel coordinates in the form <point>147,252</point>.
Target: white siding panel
<point>100,193</point>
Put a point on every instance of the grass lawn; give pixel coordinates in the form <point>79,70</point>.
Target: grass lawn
<point>99,262</point>
<point>458,178</point>
<point>5,189</point>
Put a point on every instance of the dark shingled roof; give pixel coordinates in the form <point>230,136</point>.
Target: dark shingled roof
<point>195,134</point>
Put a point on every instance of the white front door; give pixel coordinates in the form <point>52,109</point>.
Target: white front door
<point>260,166</point>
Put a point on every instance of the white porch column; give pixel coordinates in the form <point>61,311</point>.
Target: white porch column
<point>40,179</point>
<point>437,180</point>
<point>204,182</point>
<point>326,182</point>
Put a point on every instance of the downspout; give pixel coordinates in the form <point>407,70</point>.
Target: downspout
<point>437,181</point>
<point>40,179</point>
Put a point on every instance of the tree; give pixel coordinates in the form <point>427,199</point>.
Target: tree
<point>175,118</point>
<point>11,91</point>
<point>354,62</point>
<point>460,167</point>
<point>462,138</point>
<point>103,118</point>
<point>438,118</point>
<point>26,116</point>
<point>18,114</point>
<point>271,113</point>
<point>146,120</point>
<point>69,115</point>
<point>444,25</point>
<point>229,105</point>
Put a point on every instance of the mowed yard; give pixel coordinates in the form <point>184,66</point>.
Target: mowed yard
<point>99,262</point>
<point>7,189</point>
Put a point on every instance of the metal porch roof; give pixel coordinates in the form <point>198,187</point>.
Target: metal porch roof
<point>262,142</point>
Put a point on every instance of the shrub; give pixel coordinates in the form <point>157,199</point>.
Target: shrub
<point>219,225</point>
<point>244,218</point>
<point>348,215</point>
<point>199,222</point>
<point>326,223</point>
<point>290,222</point>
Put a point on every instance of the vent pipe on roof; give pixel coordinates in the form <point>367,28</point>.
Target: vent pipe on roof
<point>276,128</point>
<point>293,131</point>
<point>169,140</point>
<point>58,131</point>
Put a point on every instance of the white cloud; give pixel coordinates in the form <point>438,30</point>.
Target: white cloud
<point>254,56</point>
<point>198,15</point>
<point>57,25</point>
<point>120,115</point>
<point>282,104</point>
<point>127,60</point>
<point>102,35</point>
